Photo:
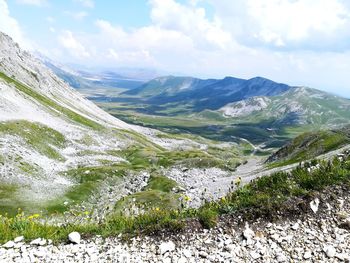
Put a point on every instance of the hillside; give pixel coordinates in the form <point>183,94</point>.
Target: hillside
<point>310,145</point>
<point>46,128</point>
<point>297,106</point>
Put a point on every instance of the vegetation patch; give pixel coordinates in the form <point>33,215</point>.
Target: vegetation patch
<point>87,180</point>
<point>42,138</point>
<point>159,194</point>
<point>8,199</point>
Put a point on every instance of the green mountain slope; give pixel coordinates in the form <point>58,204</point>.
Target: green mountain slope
<point>310,145</point>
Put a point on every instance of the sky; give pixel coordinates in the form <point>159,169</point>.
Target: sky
<point>298,42</point>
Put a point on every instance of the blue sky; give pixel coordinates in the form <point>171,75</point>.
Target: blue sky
<point>299,42</point>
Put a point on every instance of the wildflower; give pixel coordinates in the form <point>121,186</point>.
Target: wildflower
<point>33,216</point>
<point>238,181</point>
<point>187,198</point>
<point>157,209</point>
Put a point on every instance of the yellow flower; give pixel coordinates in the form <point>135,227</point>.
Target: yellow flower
<point>187,198</point>
<point>157,209</point>
<point>33,216</point>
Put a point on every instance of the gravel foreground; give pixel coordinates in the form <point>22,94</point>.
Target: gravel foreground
<point>315,230</point>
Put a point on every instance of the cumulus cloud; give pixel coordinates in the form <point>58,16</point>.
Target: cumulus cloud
<point>72,45</point>
<point>9,25</point>
<point>190,20</point>
<point>287,24</point>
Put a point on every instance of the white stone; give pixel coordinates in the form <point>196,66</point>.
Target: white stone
<point>9,244</point>
<point>330,251</point>
<point>248,233</point>
<point>295,226</point>
<point>39,253</point>
<point>74,237</point>
<point>255,255</point>
<point>38,242</point>
<point>281,257</point>
<point>307,255</point>
<point>166,247</point>
<point>314,205</point>
<point>182,260</point>
<point>19,239</point>
<point>187,253</point>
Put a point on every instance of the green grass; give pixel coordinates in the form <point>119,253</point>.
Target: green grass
<point>87,140</point>
<point>161,183</point>
<point>142,157</point>
<point>51,104</point>
<point>27,168</point>
<point>8,199</point>
<point>158,194</point>
<point>42,138</point>
<point>88,180</point>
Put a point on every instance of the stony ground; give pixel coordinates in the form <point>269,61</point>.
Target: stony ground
<point>315,229</point>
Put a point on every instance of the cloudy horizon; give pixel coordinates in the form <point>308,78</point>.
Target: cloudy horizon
<point>298,42</point>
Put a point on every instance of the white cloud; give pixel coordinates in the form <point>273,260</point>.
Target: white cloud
<point>9,25</point>
<point>189,20</point>
<point>72,45</point>
<point>86,3</point>
<point>33,2</point>
<point>291,24</point>
<point>76,15</point>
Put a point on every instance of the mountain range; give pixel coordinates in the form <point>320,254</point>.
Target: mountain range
<point>204,94</point>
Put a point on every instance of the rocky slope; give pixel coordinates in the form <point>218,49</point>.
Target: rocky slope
<point>313,230</point>
<point>45,125</point>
